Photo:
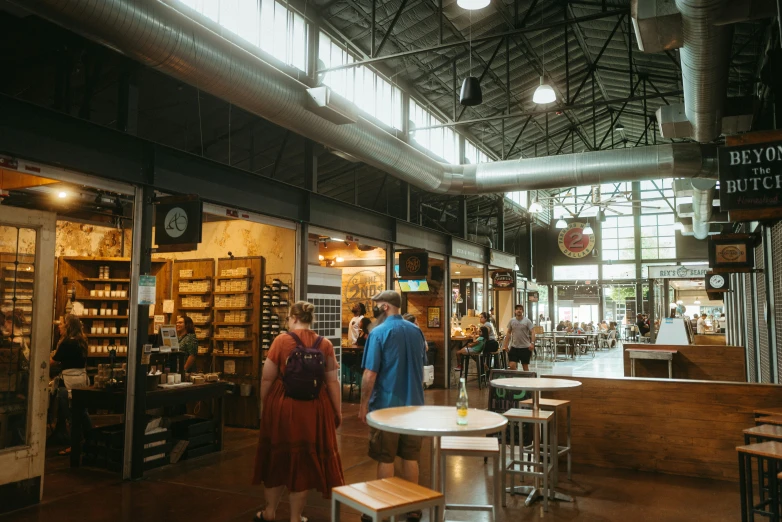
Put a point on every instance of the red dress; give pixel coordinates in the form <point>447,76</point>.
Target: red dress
<point>298,440</point>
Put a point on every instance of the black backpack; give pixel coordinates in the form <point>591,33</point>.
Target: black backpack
<point>305,371</point>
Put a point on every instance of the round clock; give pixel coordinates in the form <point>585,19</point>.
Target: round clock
<point>574,243</point>
<point>717,281</point>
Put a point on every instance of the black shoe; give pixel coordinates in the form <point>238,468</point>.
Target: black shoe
<point>259,517</point>
<point>415,516</point>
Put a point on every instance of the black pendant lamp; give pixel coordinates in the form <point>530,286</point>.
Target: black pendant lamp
<point>471,86</point>
<point>471,92</point>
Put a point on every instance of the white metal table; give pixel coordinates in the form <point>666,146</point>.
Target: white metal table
<point>436,422</point>
<point>536,385</point>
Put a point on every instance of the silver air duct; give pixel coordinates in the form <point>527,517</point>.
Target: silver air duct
<point>163,38</point>
<point>702,198</point>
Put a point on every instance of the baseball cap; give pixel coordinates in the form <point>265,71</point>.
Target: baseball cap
<point>390,297</point>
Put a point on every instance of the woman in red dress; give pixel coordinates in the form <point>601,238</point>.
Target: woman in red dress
<point>298,442</point>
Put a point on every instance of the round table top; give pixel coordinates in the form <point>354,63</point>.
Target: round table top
<point>435,421</point>
<point>534,383</point>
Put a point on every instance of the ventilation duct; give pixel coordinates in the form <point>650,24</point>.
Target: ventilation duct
<point>702,197</point>
<point>155,34</point>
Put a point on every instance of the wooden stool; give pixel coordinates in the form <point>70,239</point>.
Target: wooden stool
<point>554,405</point>
<point>539,419</point>
<point>385,498</point>
<point>473,447</point>
<point>769,457</point>
<point>764,412</point>
<point>775,420</point>
<point>763,433</point>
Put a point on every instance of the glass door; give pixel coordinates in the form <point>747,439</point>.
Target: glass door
<point>26,297</point>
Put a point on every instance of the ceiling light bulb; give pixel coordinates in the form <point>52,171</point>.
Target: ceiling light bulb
<point>337,239</point>
<point>544,93</point>
<point>588,230</point>
<point>471,5</point>
<point>697,301</point>
<point>321,258</point>
<point>680,302</point>
<point>516,267</point>
<point>561,223</point>
<point>535,207</point>
<point>619,128</point>
<point>457,272</point>
<point>339,260</point>
<point>62,195</point>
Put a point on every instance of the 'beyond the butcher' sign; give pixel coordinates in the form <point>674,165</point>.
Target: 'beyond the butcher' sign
<point>751,176</point>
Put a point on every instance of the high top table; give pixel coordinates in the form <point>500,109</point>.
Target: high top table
<point>536,385</point>
<point>436,422</point>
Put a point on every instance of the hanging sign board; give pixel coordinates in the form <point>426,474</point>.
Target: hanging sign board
<point>413,265</point>
<point>468,251</point>
<point>147,289</point>
<point>677,272</point>
<point>574,243</point>
<point>178,223</point>
<point>732,252</point>
<point>750,172</point>
<point>503,280</point>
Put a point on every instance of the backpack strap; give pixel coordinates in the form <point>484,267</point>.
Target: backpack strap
<point>296,338</point>
<point>299,343</point>
<point>317,341</point>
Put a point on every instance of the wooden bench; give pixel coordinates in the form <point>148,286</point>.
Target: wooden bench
<point>473,447</point>
<point>775,420</point>
<point>386,498</point>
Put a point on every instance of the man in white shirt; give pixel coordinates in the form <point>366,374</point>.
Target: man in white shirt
<point>354,328</point>
<point>722,321</point>
<point>701,327</point>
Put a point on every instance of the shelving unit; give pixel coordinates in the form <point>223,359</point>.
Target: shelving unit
<point>275,302</point>
<point>237,293</point>
<point>16,288</point>
<point>194,281</point>
<point>91,281</point>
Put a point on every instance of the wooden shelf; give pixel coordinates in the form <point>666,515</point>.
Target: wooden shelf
<point>229,309</point>
<point>233,355</point>
<point>90,298</point>
<point>103,316</point>
<point>195,293</point>
<point>202,324</point>
<point>232,324</point>
<point>234,277</point>
<point>25,281</point>
<point>107,336</point>
<point>235,292</point>
<point>204,278</point>
<point>99,280</point>
<point>106,355</point>
<point>195,307</point>
<point>236,339</point>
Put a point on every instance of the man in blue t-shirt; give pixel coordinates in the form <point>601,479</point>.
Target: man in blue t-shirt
<point>394,360</point>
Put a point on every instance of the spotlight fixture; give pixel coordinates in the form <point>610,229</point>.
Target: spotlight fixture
<point>535,207</point>
<point>472,5</point>
<point>321,257</point>
<point>544,93</point>
<point>588,229</point>
<point>471,92</point>
<point>619,128</point>
<point>62,194</point>
<point>561,223</point>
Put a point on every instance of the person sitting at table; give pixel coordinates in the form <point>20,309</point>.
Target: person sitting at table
<point>578,328</point>
<point>364,332</point>
<point>643,326</point>
<point>603,326</point>
<point>561,326</point>
<point>477,345</point>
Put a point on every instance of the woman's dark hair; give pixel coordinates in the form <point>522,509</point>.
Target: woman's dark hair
<point>486,316</point>
<point>365,322</point>
<point>303,311</point>
<point>485,333</point>
<point>189,325</point>
<point>74,331</point>
<point>362,309</point>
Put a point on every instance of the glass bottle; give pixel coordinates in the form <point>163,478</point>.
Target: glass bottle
<point>461,403</point>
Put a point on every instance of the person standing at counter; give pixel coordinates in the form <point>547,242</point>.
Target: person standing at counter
<point>486,321</point>
<point>354,327</point>
<point>71,357</point>
<point>701,325</point>
<point>185,331</point>
<point>519,340</point>
<point>722,322</point>
<point>297,446</point>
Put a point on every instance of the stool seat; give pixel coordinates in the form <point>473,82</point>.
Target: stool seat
<point>769,450</point>
<point>386,495</point>
<point>518,414</point>
<point>771,419</point>
<point>768,411</point>
<point>552,403</point>
<point>477,446</point>
<point>768,431</point>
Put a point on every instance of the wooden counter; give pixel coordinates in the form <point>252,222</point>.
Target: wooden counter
<point>701,362</point>
<point>681,427</point>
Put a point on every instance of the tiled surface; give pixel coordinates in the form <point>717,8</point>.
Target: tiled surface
<point>606,363</point>
<point>217,488</point>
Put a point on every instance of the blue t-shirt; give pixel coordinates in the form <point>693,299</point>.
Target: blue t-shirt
<point>396,351</point>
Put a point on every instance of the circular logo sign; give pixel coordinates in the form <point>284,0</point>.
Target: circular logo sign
<point>413,264</point>
<point>176,222</point>
<point>731,253</point>
<point>574,243</point>
<point>717,281</point>
<point>682,272</point>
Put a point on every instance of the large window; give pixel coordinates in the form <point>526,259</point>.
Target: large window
<point>575,272</point>
<point>267,24</point>
<point>442,142</point>
<point>362,86</point>
<point>658,236</point>
<point>618,240</point>
<point>473,154</point>
<point>619,271</point>
<point>518,197</point>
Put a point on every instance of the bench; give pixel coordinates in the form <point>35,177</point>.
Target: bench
<point>386,498</point>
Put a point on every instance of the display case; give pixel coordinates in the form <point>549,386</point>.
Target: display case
<point>192,291</point>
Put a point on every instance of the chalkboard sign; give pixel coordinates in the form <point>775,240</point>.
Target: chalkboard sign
<point>502,400</point>
<point>751,176</point>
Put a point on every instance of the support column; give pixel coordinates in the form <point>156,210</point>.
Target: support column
<point>390,262</point>
<point>530,257</point>
<point>302,260</point>
<point>127,107</point>
<point>404,196</point>
<point>310,165</point>
<point>501,223</point>
<point>652,332</point>
<point>461,216</point>
<point>639,292</point>
<point>768,273</point>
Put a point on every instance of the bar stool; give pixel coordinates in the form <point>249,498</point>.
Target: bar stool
<point>539,419</point>
<point>767,412</point>
<point>769,458</point>
<point>486,447</point>
<point>555,405</point>
<point>386,498</point>
<point>479,361</point>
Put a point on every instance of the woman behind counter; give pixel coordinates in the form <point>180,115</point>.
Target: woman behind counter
<point>70,354</point>
<point>185,331</point>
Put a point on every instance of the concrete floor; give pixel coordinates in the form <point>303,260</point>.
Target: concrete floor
<point>217,488</point>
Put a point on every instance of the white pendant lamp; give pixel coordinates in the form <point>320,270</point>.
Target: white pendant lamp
<point>561,223</point>
<point>535,207</point>
<point>544,93</point>
<point>588,229</point>
<point>472,5</point>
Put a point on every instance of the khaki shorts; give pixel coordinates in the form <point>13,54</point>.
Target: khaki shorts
<point>385,447</point>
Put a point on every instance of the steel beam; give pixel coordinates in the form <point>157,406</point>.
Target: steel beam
<point>391,27</point>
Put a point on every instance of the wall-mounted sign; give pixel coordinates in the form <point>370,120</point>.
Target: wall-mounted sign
<point>677,272</point>
<point>501,259</point>
<point>732,251</point>
<point>413,265</point>
<point>717,283</point>
<point>533,297</point>
<point>502,280</point>
<point>178,223</point>
<point>751,176</point>
<point>468,251</point>
<point>433,317</point>
<point>574,243</point>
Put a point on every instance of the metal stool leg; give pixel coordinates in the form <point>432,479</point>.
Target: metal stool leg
<point>570,449</point>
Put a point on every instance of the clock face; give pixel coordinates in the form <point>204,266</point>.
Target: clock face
<point>717,281</point>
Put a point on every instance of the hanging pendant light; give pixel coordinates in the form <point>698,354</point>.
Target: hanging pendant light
<point>544,93</point>
<point>561,223</point>
<point>472,5</point>
<point>471,92</point>
<point>697,301</point>
<point>535,207</point>
<point>588,229</point>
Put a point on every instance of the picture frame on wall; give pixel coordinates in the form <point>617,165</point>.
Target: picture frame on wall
<point>433,317</point>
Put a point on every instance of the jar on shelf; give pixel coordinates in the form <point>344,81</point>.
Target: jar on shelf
<point>266,302</point>
<point>284,288</point>
<point>284,302</point>
<point>275,300</point>
<point>267,289</point>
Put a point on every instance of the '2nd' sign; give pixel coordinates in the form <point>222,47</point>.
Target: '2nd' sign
<point>751,176</point>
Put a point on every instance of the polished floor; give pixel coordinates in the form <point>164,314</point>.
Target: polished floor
<point>217,488</point>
